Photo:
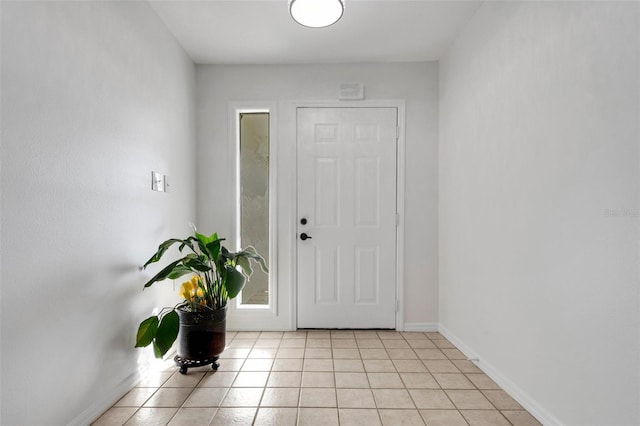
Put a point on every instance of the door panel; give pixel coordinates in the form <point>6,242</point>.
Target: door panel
<point>347,194</point>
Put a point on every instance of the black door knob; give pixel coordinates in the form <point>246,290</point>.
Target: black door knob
<point>304,236</point>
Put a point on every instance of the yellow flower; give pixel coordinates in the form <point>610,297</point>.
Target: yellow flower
<point>185,290</point>
<point>191,289</point>
<point>196,283</point>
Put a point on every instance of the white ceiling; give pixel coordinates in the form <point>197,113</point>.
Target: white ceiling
<point>262,32</point>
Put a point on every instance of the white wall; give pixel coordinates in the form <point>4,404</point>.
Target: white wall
<point>539,112</point>
<point>416,83</point>
<point>95,95</point>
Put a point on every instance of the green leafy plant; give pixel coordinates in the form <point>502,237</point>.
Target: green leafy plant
<point>217,276</point>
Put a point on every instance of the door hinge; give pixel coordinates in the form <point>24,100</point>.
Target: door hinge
<point>397,306</point>
<point>397,220</point>
<point>397,132</point>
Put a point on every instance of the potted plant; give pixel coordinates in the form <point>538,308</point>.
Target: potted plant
<point>198,322</point>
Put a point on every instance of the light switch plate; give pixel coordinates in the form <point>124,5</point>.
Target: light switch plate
<point>158,182</point>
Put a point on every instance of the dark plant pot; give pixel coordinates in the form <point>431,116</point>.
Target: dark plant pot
<point>202,334</point>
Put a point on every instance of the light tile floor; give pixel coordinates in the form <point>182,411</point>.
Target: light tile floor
<point>330,377</point>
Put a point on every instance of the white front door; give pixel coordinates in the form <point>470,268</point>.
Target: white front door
<point>346,195</point>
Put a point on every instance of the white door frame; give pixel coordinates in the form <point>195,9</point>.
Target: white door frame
<point>245,317</point>
<point>292,108</point>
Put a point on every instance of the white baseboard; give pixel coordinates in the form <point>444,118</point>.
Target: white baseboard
<point>96,409</point>
<point>420,326</point>
<point>530,404</point>
<point>408,326</point>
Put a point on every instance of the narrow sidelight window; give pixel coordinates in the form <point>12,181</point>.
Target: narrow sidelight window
<point>254,199</point>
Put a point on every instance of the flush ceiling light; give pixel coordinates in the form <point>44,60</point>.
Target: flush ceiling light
<point>316,13</point>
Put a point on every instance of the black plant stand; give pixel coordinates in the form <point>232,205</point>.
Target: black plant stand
<point>185,363</point>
